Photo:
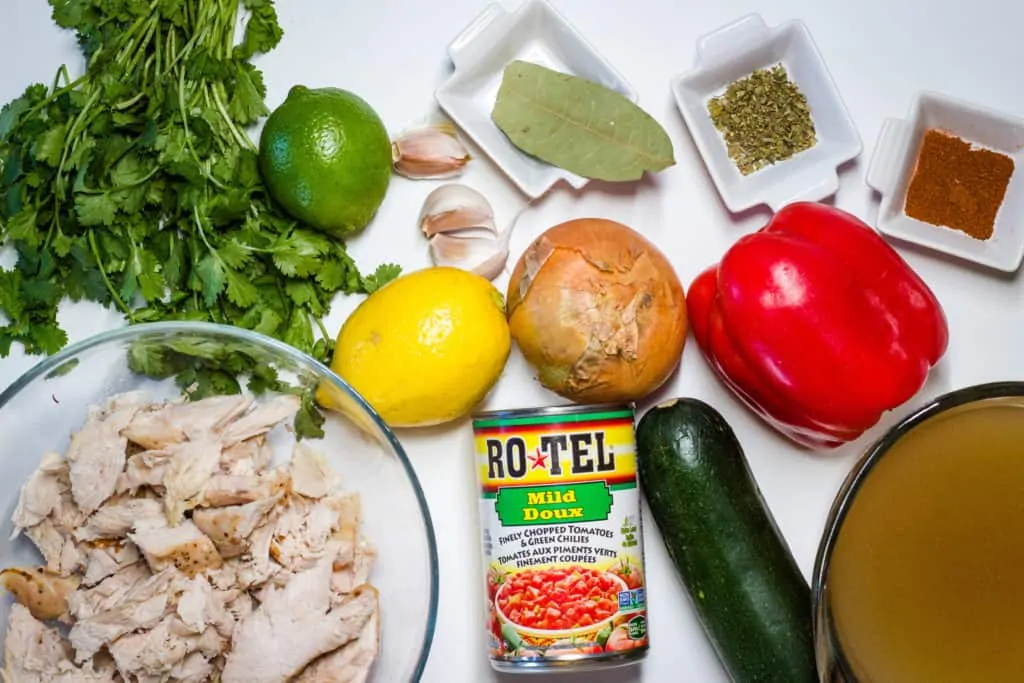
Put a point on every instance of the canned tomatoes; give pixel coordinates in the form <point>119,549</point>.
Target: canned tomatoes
<point>562,537</point>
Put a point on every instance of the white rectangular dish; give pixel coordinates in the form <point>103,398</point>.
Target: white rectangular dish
<point>894,160</point>
<point>735,51</point>
<point>534,32</point>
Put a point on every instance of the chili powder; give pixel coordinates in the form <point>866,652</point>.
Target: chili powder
<point>958,186</point>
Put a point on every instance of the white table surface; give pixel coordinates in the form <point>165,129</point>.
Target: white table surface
<point>392,53</point>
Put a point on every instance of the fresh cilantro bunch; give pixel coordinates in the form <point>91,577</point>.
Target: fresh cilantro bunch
<point>136,186</point>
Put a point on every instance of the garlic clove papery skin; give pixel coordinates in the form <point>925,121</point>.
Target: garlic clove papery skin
<point>430,152</point>
<point>455,207</point>
<point>481,254</point>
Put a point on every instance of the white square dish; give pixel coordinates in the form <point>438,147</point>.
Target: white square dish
<point>737,50</point>
<point>894,160</point>
<point>534,32</point>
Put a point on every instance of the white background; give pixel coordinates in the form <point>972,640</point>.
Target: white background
<point>392,53</point>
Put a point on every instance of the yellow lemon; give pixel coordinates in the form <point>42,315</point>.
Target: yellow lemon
<point>425,348</point>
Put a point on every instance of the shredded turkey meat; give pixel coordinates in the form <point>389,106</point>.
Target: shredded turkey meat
<point>173,550</point>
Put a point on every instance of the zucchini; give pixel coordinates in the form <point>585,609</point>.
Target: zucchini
<point>749,594</point>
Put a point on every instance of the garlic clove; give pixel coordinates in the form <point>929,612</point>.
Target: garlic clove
<point>454,206</point>
<point>429,152</point>
<point>484,255</point>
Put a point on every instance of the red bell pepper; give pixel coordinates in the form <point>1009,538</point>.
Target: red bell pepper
<point>817,324</point>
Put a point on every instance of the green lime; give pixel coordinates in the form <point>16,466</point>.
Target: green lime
<point>325,155</point>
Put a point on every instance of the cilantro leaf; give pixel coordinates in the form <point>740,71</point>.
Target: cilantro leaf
<point>262,32</point>
<point>212,277</point>
<point>48,338</point>
<point>50,145</point>
<point>22,227</point>
<point>309,420</point>
<point>298,255</point>
<point>247,105</point>
<point>11,299</point>
<point>299,332</point>
<point>240,291</point>
<point>69,13</point>
<point>385,273</point>
<point>95,209</point>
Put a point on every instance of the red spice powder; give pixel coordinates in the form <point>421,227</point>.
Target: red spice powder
<point>958,186</point>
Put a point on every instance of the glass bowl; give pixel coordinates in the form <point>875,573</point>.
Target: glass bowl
<point>930,459</point>
<point>40,410</point>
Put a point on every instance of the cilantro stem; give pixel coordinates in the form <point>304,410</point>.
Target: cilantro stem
<point>140,47</point>
<point>202,236</point>
<point>68,140</point>
<point>323,330</point>
<point>188,135</point>
<point>242,140</point>
<point>106,280</point>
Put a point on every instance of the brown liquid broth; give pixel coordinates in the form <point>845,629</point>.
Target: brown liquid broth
<point>927,575</point>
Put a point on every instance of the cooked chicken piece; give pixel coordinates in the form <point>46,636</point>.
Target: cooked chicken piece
<point>230,527</point>
<point>146,468</point>
<point>293,626</point>
<point>42,592</point>
<point>175,422</point>
<point>201,605</point>
<point>255,566</point>
<point>143,606</point>
<point>48,514</point>
<point>350,511</point>
<point>117,517</point>
<point>157,652</point>
<point>312,476</point>
<point>191,466</point>
<point>356,573</point>
<point>303,530</point>
<point>195,668</point>
<point>96,454</point>
<point>59,550</point>
<point>237,489</point>
<point>183,546</point>
<point>107,558</point>
<point>247,457</point>
<point>41,494</point>
<point>192,604</point>
<point>261,419</point>
<point>34,653</point>
<point>351,663</point>
<point>238,609</point>
<point>85,602</point>
<point>151,653</point>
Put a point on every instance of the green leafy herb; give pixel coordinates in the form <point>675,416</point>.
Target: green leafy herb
<point>203,367</point>
<point>384,274</point>
<point>764,119</point>
<point>136,186</point>
<point>579,125</point>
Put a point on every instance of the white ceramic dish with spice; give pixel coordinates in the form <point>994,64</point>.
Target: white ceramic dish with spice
<point>895,158</point>
<point>534,32</point>
<point>734,52</point>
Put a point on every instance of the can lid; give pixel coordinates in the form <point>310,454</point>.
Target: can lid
<point>569,413</point>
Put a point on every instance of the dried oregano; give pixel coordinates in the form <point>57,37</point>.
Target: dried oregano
<point>764,119</point>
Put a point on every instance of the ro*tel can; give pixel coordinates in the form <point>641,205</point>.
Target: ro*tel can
<point>562,538</point>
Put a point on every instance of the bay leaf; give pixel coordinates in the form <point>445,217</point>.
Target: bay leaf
<point>579,125</point>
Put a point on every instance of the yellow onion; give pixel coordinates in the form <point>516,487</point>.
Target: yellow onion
<point>598,311</point>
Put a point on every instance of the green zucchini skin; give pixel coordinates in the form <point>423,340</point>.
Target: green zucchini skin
<point>747,589</point>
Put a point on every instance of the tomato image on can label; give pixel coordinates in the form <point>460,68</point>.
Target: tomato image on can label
<point>562,537</point>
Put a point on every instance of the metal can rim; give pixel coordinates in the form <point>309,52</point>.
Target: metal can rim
<point>570,409</point>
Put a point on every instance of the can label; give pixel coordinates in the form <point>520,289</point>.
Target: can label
<point>562,536</point>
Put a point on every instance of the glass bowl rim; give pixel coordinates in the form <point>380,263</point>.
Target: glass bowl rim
<point>48,364</point>
<point>852,483</point>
